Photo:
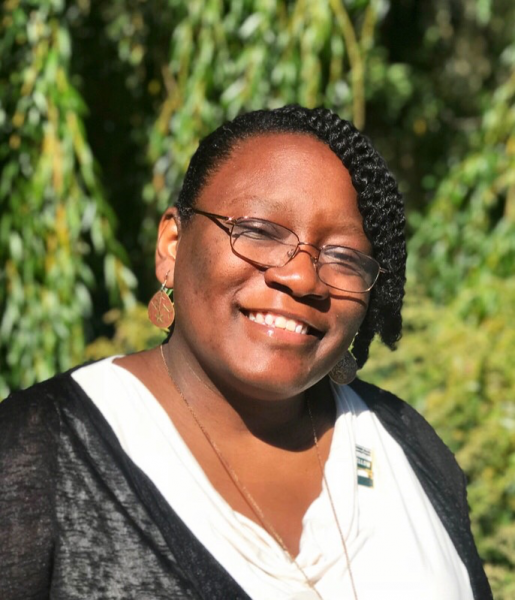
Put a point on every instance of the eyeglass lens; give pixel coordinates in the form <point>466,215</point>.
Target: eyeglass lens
<point>272,245</point>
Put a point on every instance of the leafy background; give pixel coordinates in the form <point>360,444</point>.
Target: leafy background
<point>102,104</point>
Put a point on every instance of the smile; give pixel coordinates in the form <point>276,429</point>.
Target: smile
<point>275,321</point>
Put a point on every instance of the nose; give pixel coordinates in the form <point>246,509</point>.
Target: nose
<point>299,275</point>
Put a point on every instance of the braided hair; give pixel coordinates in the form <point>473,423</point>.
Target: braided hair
<point>379,200</point>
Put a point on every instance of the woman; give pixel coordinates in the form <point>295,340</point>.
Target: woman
<point>226,464</point>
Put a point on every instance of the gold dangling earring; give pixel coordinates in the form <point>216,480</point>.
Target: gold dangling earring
<point>160,308</point>
<point>344,371</point>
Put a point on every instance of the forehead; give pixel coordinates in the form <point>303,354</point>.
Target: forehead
<point>283,175</point>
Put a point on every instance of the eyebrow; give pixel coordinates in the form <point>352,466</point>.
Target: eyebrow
<point>274,204</point>
<point>351,228</point>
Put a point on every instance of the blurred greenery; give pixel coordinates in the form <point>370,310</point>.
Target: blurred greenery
<point>54,211</point>
<point>103,103</point>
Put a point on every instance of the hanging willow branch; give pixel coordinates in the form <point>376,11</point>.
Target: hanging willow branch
<point>54,214</point>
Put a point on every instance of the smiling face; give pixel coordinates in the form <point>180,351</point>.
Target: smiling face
<point>234,320</point>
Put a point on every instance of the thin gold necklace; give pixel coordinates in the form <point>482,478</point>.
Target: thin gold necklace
<point>250,499</point>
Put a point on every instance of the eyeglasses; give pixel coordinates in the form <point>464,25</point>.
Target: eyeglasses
<point>267,244</point>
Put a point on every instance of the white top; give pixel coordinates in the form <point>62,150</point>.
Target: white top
<point>398,547</point>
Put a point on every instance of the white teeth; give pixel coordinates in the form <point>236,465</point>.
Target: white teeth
<point>279,322</point>
<point>290,325</point>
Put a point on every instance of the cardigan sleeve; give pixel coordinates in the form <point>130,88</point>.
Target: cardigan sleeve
<point>29,430</point>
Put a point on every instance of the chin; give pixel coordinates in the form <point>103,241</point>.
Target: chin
<point>272,382</point>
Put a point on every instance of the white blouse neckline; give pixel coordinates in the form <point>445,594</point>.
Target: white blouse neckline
<point>246,550</point>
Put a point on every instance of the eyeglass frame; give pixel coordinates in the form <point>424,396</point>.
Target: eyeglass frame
<point>232,221</point>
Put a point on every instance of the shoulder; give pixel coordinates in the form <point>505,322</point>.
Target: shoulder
<point>426,452</point>
<point>40,396</point>
<point>383,400</point>
<point>36,410</point>
<point>46,396</point>
<point>394,413</point>
<point>30,414</point>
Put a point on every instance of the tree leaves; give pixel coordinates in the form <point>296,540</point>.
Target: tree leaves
<point>47,186</point>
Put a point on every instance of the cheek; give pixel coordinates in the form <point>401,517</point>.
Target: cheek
<point>350,317</point>
<point>207,273</point>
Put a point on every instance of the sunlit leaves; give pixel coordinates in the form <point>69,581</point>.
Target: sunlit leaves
<point>469,233</point>
<point>225,58</point>
<point>53,210</point>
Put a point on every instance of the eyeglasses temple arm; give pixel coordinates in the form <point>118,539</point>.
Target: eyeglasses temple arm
<point>215,218</point>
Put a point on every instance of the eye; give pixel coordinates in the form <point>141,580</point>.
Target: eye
<point>254,232</point>
<point>260,231</point>
<point>343,259</point>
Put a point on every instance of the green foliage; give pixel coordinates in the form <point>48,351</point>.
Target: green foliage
<point>133,332</point>
<point>468,236</point>
<point>53,210</point>
<point>431,75</point>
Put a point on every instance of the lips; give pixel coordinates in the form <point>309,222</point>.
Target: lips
<point>277,320</point>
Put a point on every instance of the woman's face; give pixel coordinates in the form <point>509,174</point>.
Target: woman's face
<point>296,181</point>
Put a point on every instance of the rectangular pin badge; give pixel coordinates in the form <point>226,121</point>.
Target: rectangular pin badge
<point>365,468</point>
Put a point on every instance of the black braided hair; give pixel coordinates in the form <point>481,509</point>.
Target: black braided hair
<point>379,200</point>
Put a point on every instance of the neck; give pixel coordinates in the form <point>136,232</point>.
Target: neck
<point>279,421</point>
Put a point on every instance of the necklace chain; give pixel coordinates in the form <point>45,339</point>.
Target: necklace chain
<point>240,486</point>
<point>347,558</point>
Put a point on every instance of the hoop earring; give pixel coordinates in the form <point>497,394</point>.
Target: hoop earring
<point>344,371</point>
<point>160,308</point>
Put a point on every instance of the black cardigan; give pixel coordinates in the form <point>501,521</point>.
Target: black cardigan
<point>80,520</point>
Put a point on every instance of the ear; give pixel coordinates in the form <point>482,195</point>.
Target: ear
<point>168,237</point>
